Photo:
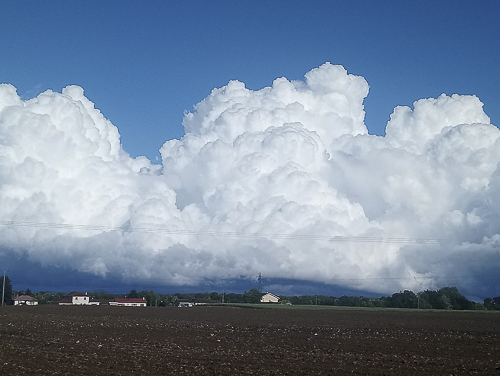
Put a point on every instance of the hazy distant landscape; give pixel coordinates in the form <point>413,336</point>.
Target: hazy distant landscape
<point>446,298</point>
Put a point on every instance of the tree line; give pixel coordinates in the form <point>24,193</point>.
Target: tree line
<point>445,298</point>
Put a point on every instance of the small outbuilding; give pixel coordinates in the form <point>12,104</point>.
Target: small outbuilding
<point>128,302</point>
<point>193,302</point>
<point>184,303</point>
<point>25,300</point>
<point>269,298</point>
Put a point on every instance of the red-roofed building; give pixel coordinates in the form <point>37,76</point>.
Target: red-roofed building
<point>128,302</point>
<point>25,300</point>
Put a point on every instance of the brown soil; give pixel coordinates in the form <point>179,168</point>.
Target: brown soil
<point>56,340</point>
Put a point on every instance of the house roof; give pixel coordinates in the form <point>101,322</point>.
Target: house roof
<point>130,300</point>
<point>23,297</point>
<point>270,294</point>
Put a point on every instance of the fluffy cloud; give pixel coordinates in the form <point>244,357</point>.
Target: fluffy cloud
<point>285,181</point>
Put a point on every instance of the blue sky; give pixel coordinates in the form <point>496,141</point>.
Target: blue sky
<point>144,63</point>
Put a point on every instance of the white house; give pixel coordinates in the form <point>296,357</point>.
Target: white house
<point>269,298</point>
<point>75,298</point>
<point>25,300</point>
<point>128,302</point>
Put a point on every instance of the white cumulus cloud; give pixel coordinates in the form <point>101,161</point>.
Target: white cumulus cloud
<point>285,181</point>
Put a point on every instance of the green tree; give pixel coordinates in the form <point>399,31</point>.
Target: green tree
<point>6,290</point>
<point>168,299</point>
<point>47,297</point>
<point>252,296</point>
<point>493,304</point>
<point>298,300</point>
<point>487,303</point>
<point>433,299</point>
<point>456,300</point>
<point>375,302</point>
<point>133,294</point>
<point>216,297</point>
<point>233,298</point>
<point>102,294</point>
<point>496,302</point>
<point>350,301</point>
<point>405,299</point>
<point>151,297</point>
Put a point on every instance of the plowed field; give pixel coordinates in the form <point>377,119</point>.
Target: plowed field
<point>57,340</point>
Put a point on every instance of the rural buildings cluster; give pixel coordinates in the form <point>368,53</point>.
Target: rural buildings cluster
<point>78,298</point>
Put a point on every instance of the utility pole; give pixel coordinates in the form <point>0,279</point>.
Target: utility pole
<point>3,287</point>
<point>418,294</point>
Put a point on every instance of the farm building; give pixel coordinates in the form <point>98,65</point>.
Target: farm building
<point>25,300</point>
<point>128,302</point>
<point>184,303</point>
<point>269,298</point>
<point>77,298</point>
<point>193,302</point>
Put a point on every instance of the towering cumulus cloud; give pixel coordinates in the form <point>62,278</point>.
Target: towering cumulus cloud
<point>285,181</point>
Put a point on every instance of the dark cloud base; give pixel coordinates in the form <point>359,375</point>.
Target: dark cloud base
<point>25,274</point>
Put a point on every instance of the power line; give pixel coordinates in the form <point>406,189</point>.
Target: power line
<point>227,234</point>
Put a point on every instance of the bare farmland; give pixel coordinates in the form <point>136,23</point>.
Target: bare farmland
<point>54,340</point>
